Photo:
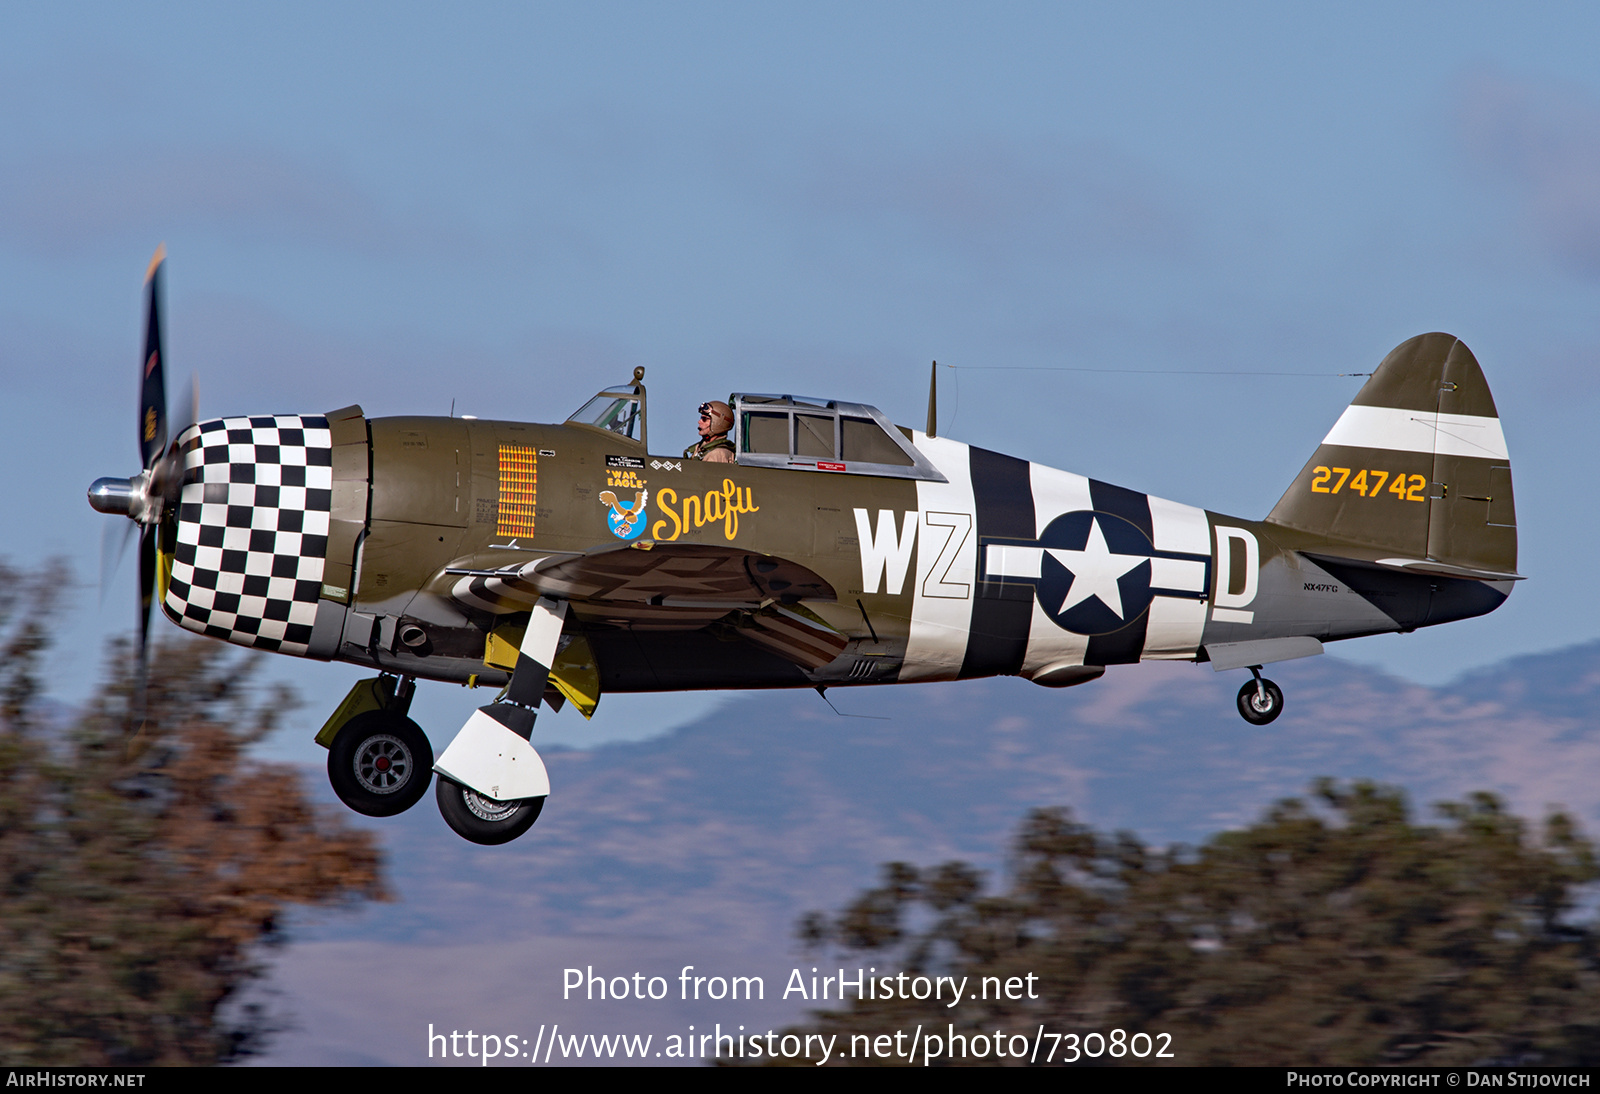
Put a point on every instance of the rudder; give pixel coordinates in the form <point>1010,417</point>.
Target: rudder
<point>1415,469</point>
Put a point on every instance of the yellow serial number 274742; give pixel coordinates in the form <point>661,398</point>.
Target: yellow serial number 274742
<point>1368,483</point>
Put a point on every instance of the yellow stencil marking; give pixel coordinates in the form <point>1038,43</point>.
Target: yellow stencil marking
<point>519,490</point>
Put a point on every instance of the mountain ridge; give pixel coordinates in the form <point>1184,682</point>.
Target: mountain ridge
<point>714,838</point>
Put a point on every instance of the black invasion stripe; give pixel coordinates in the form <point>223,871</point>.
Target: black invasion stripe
<point>1124,646</point>
<point>518,719</point>
<point>1130,505</point>
<point>481,591</point>
<point>528,681</point>
<point>1001,614</point>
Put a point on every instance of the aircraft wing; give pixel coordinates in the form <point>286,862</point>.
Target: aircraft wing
<point>667,587</point>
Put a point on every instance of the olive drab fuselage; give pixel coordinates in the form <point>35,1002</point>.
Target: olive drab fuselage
<point>989,565</point>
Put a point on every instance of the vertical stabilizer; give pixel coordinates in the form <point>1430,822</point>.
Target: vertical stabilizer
<point>1416,467</point>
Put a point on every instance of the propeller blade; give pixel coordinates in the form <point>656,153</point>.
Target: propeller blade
<point>153,381</point>
<point>113,545</point>
<point>188,407</point>
<point>147,587</point>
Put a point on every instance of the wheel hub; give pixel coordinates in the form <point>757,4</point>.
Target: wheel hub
<point>487,809</point>
<point>382,764</point>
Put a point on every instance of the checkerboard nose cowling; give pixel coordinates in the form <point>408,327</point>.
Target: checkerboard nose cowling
<point>252,530</point>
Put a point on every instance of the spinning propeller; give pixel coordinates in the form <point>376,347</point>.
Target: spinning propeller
<point>150,498</point>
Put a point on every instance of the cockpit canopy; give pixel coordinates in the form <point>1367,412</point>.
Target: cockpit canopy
<point>789,431</point>
<point>803,433</point>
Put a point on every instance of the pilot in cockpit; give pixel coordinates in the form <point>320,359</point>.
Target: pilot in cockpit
<point>716,418</point>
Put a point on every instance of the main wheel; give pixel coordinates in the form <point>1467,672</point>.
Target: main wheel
<point>380,764</point>
<point>483,819</point>
<point>1258,709</point>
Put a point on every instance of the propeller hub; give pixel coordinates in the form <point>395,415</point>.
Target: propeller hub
<point>124,497</point>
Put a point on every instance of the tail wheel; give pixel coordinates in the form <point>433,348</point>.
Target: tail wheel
<point>1260,705</point>
<point>380,764</point>
<point>481,819</point>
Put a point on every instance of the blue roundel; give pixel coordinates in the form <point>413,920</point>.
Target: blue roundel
<point>1094,576</point>
<point>624,528</point>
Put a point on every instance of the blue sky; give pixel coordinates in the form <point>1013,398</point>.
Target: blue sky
<point>510,206</point>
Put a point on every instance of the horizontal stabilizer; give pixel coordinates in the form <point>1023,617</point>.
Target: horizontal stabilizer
<point>1412,566</point>
<point>1243,655</point>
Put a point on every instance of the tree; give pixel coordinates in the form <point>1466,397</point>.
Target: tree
<point>1336,932</point>
<point>145,855</point>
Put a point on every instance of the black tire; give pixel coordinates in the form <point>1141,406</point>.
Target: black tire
<point>1251,707</point>
<point>380,764</point>
<point>481,819</point>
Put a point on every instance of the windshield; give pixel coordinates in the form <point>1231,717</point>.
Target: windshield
<point>617,413</point>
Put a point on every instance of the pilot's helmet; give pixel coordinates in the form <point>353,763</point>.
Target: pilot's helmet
<point>720,413</point>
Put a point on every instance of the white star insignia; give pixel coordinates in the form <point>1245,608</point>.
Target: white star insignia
<point>1095,571</point>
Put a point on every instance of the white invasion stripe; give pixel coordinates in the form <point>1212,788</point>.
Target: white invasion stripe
<point>1176,573</point>
<point>1419,431</point>
<point>543,635</point>
<point>1179,527</point>
<point>1173,629</point>
<point>1176,626</point>
<point>940,625</point>
<point>1054,493</point>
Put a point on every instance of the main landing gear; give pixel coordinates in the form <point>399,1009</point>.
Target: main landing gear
<point>492,781</point>
<point>379,761</point>
<point>1260,700</point>
<point>481,819</point>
